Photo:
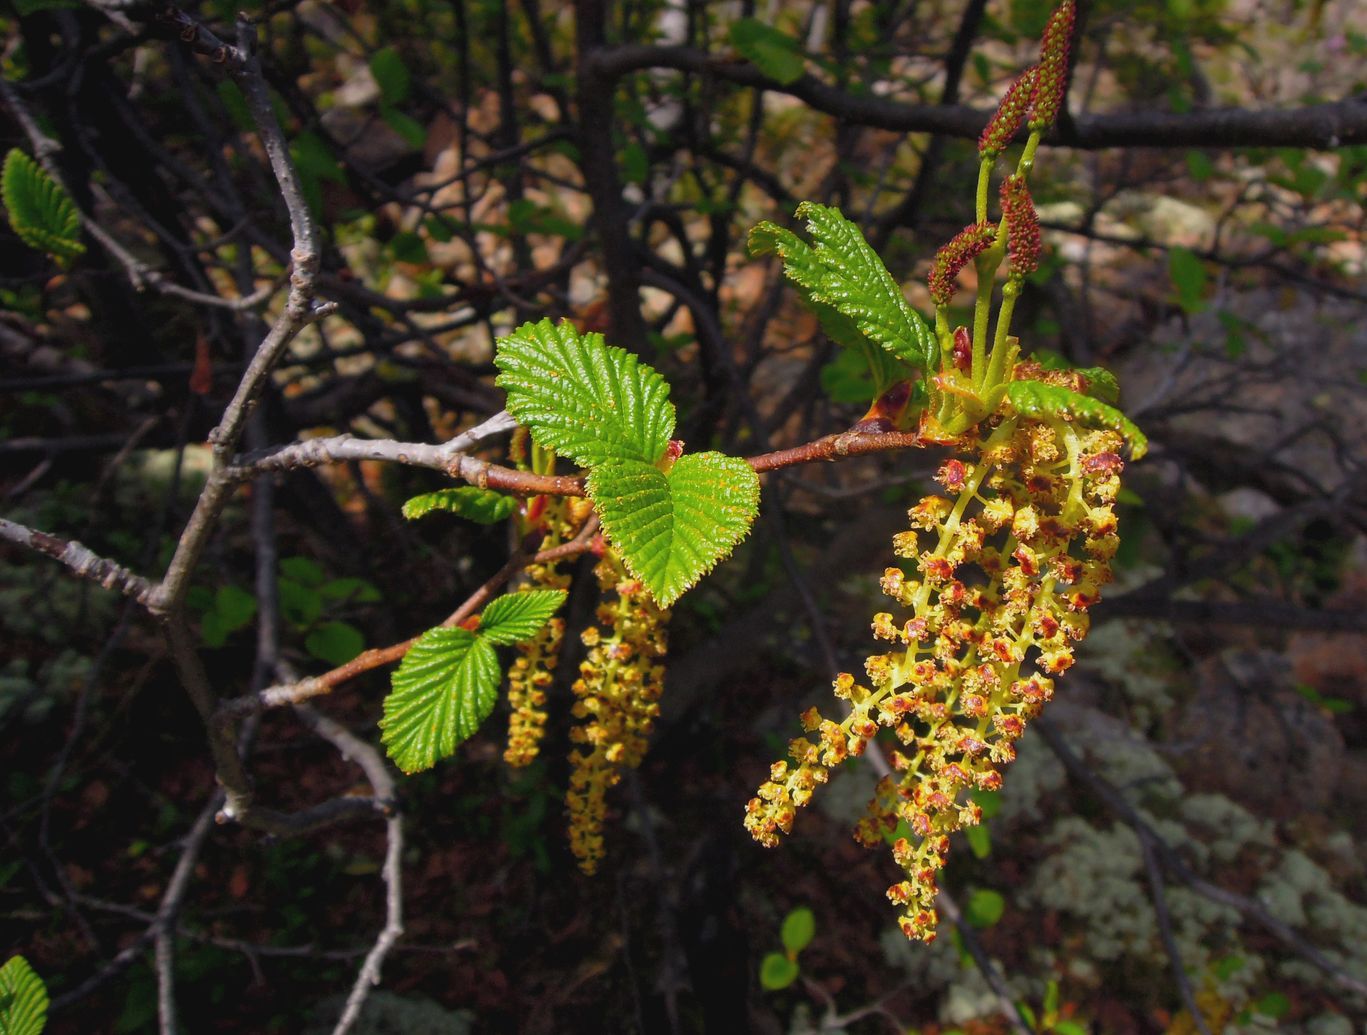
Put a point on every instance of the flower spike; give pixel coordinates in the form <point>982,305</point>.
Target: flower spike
<point>965,246</point>
<point>1022,225</point>
<point>1010,116</point>
<point>1052,80</point>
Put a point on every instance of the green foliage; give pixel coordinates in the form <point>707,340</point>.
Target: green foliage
<point>674,526</point>
<point>841,271</point>
<point>604,409</point>
<point>799,928</point>
<point>1036,399</point>
<point>224,612</point>
<point>587,400</point>
<point>778,970</point>
<point>468,501</point>
<point>1188,275</point>
<point>23,999</point>
<point>773,52</point>
<point>391,75</point>
<point>40,211</point>
<point>335,642</point>
<point>448,681</point>
<point>984,908</point>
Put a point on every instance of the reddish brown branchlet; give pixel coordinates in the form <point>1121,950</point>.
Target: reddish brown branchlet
<point>1052,78</point>
<point>1022,225</point>
<point>1009,117</point>
<point>966,245</point>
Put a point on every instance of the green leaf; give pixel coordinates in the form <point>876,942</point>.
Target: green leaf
<point>774,53</point>
<point>40,211</point>
<point>313,158</point>
<point>843,272</point>
<point>635,163</point>
<point>777,972</point>
<point>519,616</point>
<point>1275,1005</point>
<point>1036,399</point>
<point>979,841</point>
<point>303,570</point>
<point>413,132</point>
<point>1070,1028</point>
<point>467,501</point>
<point>24,999</point>
<point>391,75</point>
<point>673,528</point>
<point>335,642</point>
<point>1188,275</point>
<point>585,399</point>
<point>799,928</point>
<point>299,605</point>
<point>989,801</point>
<point>235,606</point>
<point>445,687</point>
<point>1101,384</point>
<point>984,908</point>
<point>350,590</point>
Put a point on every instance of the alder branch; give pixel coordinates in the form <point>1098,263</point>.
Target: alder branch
<point>82,561</point>
<point>1331,124</point>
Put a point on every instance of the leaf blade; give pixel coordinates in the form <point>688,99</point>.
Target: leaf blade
<point>441,692</point>
<point>673,528</point>
<point>40,211</point>
<point>585,399</point>
<point>519,616</point>
<point>1036,399</point>
<point>484,506</point>
<point>24,997</point>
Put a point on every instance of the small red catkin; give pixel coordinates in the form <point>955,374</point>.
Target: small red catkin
<point>1010,115</point>
<point>966,245</point>
<point>1022,225</point>
<point>1052,79</point>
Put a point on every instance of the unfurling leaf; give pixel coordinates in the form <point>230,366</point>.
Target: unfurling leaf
<point>1036,399</point>
<point>445,687</point>
<point>673,527</point>
<point>23,999</point>
<point>587,400</point>
<point>840,270</point>
<point>40,211</point>
<point>519,616</point>
<point>468,501</point>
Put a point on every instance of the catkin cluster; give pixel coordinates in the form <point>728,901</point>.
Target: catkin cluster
<point>1000,568</point>
<point>617,700</point>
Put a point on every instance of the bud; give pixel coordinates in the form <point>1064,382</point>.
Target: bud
<point>1052,78</point>
<point>1010,115</point>
<point>967,244</point>
<point>1022,225</point>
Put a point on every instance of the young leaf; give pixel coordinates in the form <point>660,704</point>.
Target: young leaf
<point>1101,384</point>
<point>1036,399</point>
<point>843,272</point>
<point>774,53</point>
<point>518,616</point>
<point>673,528</point>
<point>41,212</point>
<point>468,501</point>
<point>777,972</point>
<point>586,400</point>
<point>445,687</point>
<point>799,927</point>
<point>23,999</point>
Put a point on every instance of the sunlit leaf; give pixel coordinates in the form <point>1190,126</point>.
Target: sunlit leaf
<point>445,687</point>
<point>23,999</point>
<point>40,211</point>
<point>519,616</point>
<point>587,400</point>
<point>468,501</point>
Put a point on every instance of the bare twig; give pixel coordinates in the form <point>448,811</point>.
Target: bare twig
<point>80,560</point>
